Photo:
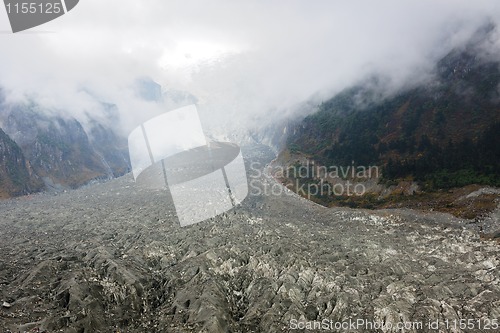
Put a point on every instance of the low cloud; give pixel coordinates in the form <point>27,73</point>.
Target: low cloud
<point>248,63</point>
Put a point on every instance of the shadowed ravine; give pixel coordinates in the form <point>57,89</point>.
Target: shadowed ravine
<point>112,257</point>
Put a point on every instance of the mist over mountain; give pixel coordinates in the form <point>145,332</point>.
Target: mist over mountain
<point>245,74</point>
<point>55,153</point>
<point>432,145</point>
<point>438,128</point>
<point>54,150</point>
<point>449,121</point>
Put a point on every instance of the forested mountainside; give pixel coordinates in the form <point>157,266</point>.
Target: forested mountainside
<point>443,135</point>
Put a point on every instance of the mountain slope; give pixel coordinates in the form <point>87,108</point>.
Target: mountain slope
<point>16,174</point>
<point>443,135</point>
<point>61,151</point>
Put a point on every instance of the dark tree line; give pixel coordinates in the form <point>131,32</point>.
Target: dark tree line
<point>456,164</point>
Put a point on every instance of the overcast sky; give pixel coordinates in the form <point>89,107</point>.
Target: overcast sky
<point>246,61</point>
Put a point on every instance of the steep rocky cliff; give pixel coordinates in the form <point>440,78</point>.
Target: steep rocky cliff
<point>16,174</point>
<point>60,151</point>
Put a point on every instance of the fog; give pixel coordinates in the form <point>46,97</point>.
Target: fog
<point>248,64</point>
